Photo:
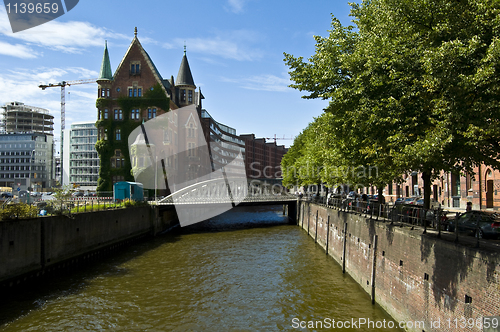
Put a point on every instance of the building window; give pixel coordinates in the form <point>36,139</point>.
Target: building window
<point>117,161</point>
<point>130,92</point>
<point>118,134</point>
<point>118,115</point>
<point>151,113</point>
<point>191,132</point>
<point>139,92</point>
<point>134,115</point>
<point>135,69</point>
<point>191,150</point>
<point>118,178</point>
<point>190,96</point>
<point>106,114</point>
<point>107,92</point>
<point>183,95</point>
<point>166,136</point>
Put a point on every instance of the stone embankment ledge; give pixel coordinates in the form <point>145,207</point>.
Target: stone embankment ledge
<point>34,247</point>
<point>414,276</point>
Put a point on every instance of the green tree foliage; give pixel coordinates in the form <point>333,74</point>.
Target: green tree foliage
<point>413,86</point>
<point>18,211</point>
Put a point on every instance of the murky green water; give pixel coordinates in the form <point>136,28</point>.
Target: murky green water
<point>248,271</point>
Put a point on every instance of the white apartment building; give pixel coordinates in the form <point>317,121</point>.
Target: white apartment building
<point>81,162</point>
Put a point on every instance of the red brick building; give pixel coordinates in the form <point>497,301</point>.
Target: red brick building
<point>262,159</point>
<point>137,93</point>
<point>482,188</point>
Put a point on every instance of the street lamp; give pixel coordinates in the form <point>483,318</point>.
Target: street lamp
<point>156,180</point>
<point>31,161</point>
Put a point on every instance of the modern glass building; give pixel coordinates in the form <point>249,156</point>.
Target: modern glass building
<point>81,167</point>
<point>26,161</point>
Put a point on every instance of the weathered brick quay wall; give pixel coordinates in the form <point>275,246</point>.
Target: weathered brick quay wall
<point>415,277</point>
<point>35,247</point>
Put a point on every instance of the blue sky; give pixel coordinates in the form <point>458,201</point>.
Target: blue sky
<point>234,47</point>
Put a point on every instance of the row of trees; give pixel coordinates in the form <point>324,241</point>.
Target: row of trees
<point>413,86</point>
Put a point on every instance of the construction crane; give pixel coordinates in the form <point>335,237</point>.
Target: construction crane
<point>63,95</point>
<point>280,138</point>
<point>63,85</point>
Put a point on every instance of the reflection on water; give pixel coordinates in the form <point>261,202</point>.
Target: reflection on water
<point>247,270</point>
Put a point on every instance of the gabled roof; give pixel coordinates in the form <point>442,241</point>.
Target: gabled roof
<point>184,77</point>
<point>106,73</point>
<point>149,62</point>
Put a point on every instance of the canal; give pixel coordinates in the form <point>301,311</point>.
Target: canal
<point>246,270</point>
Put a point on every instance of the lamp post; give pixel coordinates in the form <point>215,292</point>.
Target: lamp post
<point>156,180</point>
<point>31,161</point>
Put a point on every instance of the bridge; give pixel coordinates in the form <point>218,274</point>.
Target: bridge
<point>206,199</point>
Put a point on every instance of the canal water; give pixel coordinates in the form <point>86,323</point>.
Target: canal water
<point>246,270</point>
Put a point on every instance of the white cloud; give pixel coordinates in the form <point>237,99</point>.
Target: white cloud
<point>67,37</point>
<point>17,50</point>
<point>262,83</point>
<point>228,45</point>
<point>236,6</point>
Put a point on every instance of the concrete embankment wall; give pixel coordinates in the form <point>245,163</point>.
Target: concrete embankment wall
<point>415,277</point>
<point>29,248</point>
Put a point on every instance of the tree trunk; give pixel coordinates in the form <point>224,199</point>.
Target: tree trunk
<point>426,176</point>
<point>381,198</point>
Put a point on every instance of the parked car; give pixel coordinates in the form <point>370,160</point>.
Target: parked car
<point>399,200</point>
<point>6,195</point>
<point>433,204</point>
<point>411,200</point>
<point>482,224</point>
<point>77,194</point>
<point>352,195</point>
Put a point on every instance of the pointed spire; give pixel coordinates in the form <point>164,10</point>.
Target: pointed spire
<point>184,77</point>
<point>106,73</point>
<point>135,32</point>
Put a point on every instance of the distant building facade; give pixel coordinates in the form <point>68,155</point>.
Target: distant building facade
<point>81,166</point>
<point>263,159</point>
<point>451,190</point>
<point>26,148</point>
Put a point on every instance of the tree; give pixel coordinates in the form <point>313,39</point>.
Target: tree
<point>415,88</point>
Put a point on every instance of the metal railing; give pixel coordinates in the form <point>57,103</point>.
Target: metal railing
<point>413,216</point>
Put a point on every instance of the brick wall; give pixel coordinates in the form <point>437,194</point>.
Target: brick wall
<point>417,277</point>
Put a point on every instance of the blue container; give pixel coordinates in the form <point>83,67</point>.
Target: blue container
<point>130,190</point>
